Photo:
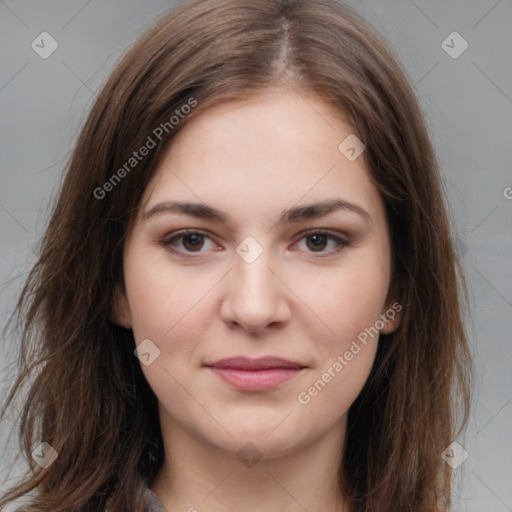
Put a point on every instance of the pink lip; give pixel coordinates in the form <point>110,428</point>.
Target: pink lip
<point>255,374</point>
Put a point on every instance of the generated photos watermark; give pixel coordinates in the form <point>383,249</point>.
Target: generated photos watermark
<point>151,143</point>
<point>305,397</point>
<point>44,455</point>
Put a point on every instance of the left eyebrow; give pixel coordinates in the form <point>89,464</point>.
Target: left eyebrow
<point>289,216</point>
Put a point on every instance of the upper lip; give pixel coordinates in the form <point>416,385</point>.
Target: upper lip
<point>248,364</point>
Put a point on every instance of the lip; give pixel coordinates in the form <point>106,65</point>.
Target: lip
<point>259,374</point>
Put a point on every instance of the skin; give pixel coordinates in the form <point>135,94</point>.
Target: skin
<point>253,159</point>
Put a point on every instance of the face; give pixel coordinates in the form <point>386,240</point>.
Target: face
<point>259,312</point>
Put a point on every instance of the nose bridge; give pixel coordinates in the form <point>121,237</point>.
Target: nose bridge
<point>254,296</point>
<point>252,277</point>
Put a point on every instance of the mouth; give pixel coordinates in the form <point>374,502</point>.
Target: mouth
<point>260,374</point>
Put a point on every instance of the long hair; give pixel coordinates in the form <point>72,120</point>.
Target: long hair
<point>87,396</point>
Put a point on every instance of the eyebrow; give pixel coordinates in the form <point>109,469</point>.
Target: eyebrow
<point>289,216</point>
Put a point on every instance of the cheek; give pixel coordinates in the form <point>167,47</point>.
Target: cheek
<point>348,300</point>
<point>170,309</point>
<point>163,298</point>
<point>350,306</point>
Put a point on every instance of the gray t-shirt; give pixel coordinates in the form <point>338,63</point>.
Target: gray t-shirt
<point>151,502</point>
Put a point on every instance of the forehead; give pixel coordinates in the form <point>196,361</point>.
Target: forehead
<point>263,153</point>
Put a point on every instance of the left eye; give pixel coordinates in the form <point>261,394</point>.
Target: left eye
<point>193,241</point>
<point>320,239</point>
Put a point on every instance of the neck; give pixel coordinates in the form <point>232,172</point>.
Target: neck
<point>197,477</point>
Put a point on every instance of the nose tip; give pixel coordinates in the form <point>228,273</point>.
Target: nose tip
<point>253,298</point>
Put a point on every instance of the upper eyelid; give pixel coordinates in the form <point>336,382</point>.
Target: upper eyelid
<point>192,231</point>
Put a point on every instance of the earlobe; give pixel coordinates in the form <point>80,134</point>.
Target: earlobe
<point>119,308</point>
<point>391,318</point>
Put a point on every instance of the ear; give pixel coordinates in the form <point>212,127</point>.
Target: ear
<point>119,307</point>
<point>391,317</point>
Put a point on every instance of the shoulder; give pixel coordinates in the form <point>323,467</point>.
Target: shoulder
<point>151,502</point>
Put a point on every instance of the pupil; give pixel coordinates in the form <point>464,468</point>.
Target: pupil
<point>320,241</point>
<point>195,241</point>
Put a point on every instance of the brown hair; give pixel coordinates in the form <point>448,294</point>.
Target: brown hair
<point>87,395</point>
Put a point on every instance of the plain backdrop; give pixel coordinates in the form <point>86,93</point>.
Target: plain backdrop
<point>467,100</point>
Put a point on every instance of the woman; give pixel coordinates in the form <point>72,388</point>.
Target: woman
<point>247,296</point>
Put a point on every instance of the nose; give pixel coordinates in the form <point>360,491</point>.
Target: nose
<point>255,299</point>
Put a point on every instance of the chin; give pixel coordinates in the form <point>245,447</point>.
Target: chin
<point>263,439</point>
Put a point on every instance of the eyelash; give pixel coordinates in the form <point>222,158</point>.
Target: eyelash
<point>168,241</point>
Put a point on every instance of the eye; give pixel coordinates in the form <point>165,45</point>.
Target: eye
<point>316,241</point>
<point>191,241</point>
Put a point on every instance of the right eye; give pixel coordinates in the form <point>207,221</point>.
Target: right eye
<point>191,241</point>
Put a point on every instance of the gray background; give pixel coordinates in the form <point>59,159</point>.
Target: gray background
<point>468,105</point>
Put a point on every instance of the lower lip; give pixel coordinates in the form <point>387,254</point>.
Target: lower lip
<point>256,380</point>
